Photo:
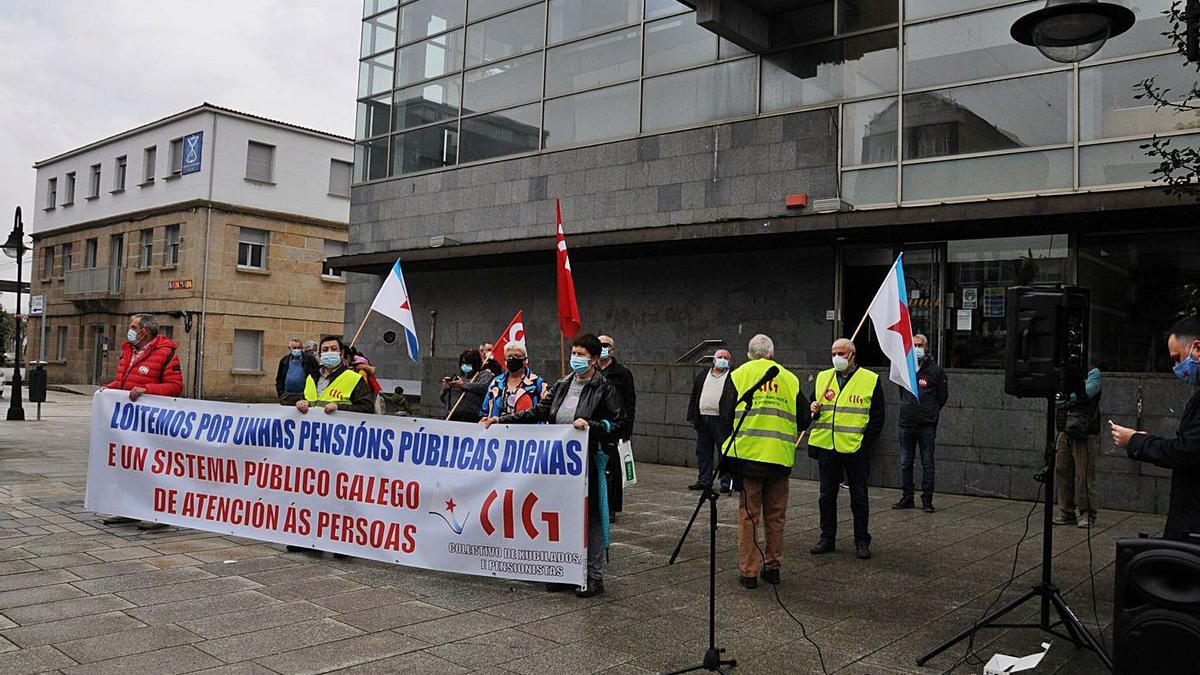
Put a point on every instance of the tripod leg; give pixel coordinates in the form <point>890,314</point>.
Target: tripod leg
<point>982,623</point>
<point>1076,628</point>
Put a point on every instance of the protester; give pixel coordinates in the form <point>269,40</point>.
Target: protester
<point>294,368</point>
<point>362,366</point>
<point>1077,449</point>
<point>710,410</point>
<point>310,348</point>
<point>586,399</point>
<point>622,379</point>
<point>397,402</point>
<point>464,391</point>
<point>518,389</point>
<point>763,452</point>
<point>919,416</point>
<point>852,396</point>
<point>1181,454</point>
<point>335,386</point>
<point>148,365</point>
<point>489,360</point>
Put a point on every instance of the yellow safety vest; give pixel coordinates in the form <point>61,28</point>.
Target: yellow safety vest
<point>769,433</point>
<point>844,412</point>
<point>338,391</point>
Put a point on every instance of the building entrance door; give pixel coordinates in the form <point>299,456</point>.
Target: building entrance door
<point>99,343</point>
<point>863,270</point>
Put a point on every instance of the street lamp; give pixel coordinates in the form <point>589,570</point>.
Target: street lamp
<point>15,248</point>
<point>1069,31</point>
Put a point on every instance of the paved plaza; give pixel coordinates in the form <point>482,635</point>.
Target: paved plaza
<point>79,597</point>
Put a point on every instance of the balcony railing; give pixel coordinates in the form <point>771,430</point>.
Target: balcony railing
<point>93,281</point>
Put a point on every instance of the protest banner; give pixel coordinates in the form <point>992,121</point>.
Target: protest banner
<point>509,501</point>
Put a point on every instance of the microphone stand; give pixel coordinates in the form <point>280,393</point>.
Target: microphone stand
<point>712,656</point>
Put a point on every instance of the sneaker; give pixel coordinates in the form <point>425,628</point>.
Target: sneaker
<point>822,547</point>
<point>697,486</point>
<point>594,587</point>
<point>904,503</point>
<point>726,489</point>
<point>117,520</point>
<point>1060,519</point>
<point>927,507</point>
<point>1086,522</point>
<point>748,582</point>
<point>770,576</point>
<point>150,527</point>
<point>862,551</point>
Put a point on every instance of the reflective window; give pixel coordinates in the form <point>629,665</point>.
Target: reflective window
<point>430,17</point>
<point>502,133</point>
<point>923,9</point>
<point>373,117</point>
<point>433,58</point>
<point>991,116</point>
<point>593,62</point>
<point>505,36</point>
<point>378,34</point>
<point>869,132</point>
<point>479,9</point>
<point>657,8</point>
<point>870,186</point>
<point>371,160</point>
<point>375,75</point>
<point>1108,109</point>
<point>1125,162</point>
<point>856,15</point>
<point>676,43</point>
<point>861,66</point>
<point>575,18</point>
<point>503,84</point>
<point>1146,34</point>
<point>429,102</point>
<point>998,174</point>
<point>426,148</point>
<point>592,116</point>
<point>968,47</point>
<point>696,96</point>
<point>729,50</point>
<point>372,6</point>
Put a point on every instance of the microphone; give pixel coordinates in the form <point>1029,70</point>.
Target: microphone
<point>767,377</point>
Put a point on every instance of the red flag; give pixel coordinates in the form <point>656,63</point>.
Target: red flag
<point>568,310</point>
<point>514,333</point>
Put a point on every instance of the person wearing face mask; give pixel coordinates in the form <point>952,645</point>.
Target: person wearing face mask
<point>919,418</point>
<point>848,415</point>
<point>1181,454</point>
<point>148,365</point>
<point>335,386</point>
<point>622,379</point>
<point>585,399</point>
<point>294,368</point>
<point>463,392</point>
<point>518,389</point>
<point>710,410</point>
<point>488,357</point>
<point>1077,449</point>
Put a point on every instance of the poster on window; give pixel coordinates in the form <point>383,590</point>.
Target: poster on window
<point>970,298</point>
<point>993,302</point>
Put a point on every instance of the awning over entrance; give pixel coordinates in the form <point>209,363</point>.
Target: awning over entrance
<point>762,26</point>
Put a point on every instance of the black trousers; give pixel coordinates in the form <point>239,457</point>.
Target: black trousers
<point>856,467</point>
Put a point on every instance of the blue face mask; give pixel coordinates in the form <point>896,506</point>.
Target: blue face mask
<point>1188,370</point>
<point>466,368</point>
<point>579,364</point>
<point>297,352</point>
<point>721,364</point>
<point>919,353</point>
<point>604,352</point>
<point>331,359</point>
<point>131,336</point>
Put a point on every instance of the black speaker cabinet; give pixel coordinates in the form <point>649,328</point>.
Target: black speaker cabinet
<point>1156,608</point>
<point>1046,340</point>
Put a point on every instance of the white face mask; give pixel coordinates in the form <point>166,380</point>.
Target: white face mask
<point>841,363</point>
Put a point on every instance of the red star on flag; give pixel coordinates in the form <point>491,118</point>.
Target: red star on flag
<point>450,505</point>
<point>904,328</point>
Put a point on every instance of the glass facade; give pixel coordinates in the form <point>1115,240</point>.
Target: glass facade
<point>935,99</point>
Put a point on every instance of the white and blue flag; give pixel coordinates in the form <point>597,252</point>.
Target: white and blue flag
<point>392,301</point>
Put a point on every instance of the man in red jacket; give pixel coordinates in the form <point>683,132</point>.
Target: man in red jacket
<point>149,365</point>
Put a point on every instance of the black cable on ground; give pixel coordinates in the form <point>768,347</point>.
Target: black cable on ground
<point>1091,563</point>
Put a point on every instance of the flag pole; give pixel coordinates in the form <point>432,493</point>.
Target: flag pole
<point>360,327</point>
<point>861,323</point>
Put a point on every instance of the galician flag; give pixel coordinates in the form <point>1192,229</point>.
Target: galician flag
<point>392,302</point>
<point>889,317</point>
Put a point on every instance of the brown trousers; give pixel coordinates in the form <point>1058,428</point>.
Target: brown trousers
<point>762,501</point>
<point>1075,474</point>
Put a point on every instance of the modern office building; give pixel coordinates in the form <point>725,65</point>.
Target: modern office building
<point>674,133</point>
<point>216,221</point>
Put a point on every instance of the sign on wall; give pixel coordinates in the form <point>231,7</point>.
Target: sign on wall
<point>193,145</point>
<point>37,305</point>
<point>507,502</point>
<point>179,285</point>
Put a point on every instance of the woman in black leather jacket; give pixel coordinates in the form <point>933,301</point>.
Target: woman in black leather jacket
<point>588,401</point>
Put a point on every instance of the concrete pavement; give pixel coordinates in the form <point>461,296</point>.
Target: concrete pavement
<point>79,597</point>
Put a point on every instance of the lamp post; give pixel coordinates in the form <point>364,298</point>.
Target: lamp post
<point>1069,31</point>
<point>15,248</point>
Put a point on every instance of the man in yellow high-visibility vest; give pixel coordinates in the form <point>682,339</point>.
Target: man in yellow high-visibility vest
<point>848,414</point>
<point>763,452</point>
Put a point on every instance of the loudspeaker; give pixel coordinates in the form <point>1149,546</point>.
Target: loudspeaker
<point>1046,340</point>
<point>1156,607</point>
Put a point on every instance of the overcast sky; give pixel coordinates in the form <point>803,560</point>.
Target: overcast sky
<point>76,71</point>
